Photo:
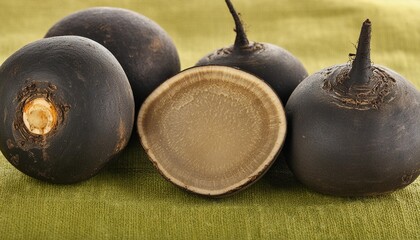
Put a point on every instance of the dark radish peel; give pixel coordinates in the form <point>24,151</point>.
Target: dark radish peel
<point>145,51</point>
<point>278,67</point>
<point>212,130</point>
<point>354,128</point>
<point>66,109</point>
<point>279,174</point>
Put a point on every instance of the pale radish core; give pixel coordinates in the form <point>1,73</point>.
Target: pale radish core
<point>39,116</point>
<point>212,129</point>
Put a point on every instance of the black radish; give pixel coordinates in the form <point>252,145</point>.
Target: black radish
<point>355,128</point>
<point>212,130</point>
<point>66,109</point>
<point>275,65</point>
<point>145,51</point>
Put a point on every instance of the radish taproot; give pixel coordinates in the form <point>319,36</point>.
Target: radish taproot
<point>66,109</point>
<point>145,51</point>
<point>354,128</point>
<point>275,65</point>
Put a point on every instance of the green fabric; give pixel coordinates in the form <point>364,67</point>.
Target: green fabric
<point>130,200</point>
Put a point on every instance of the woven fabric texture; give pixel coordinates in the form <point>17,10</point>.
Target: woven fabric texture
<point>130,200</point>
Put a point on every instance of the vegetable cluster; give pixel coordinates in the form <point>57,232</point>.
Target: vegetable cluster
<point>69,104</point>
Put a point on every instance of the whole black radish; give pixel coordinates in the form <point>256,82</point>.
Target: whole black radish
<point>145,51</point>
<point>66,109</point>
<point>355,128</point>
<point>275,65</point>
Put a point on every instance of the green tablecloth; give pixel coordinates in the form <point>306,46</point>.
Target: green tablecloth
<point>130,200</point>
